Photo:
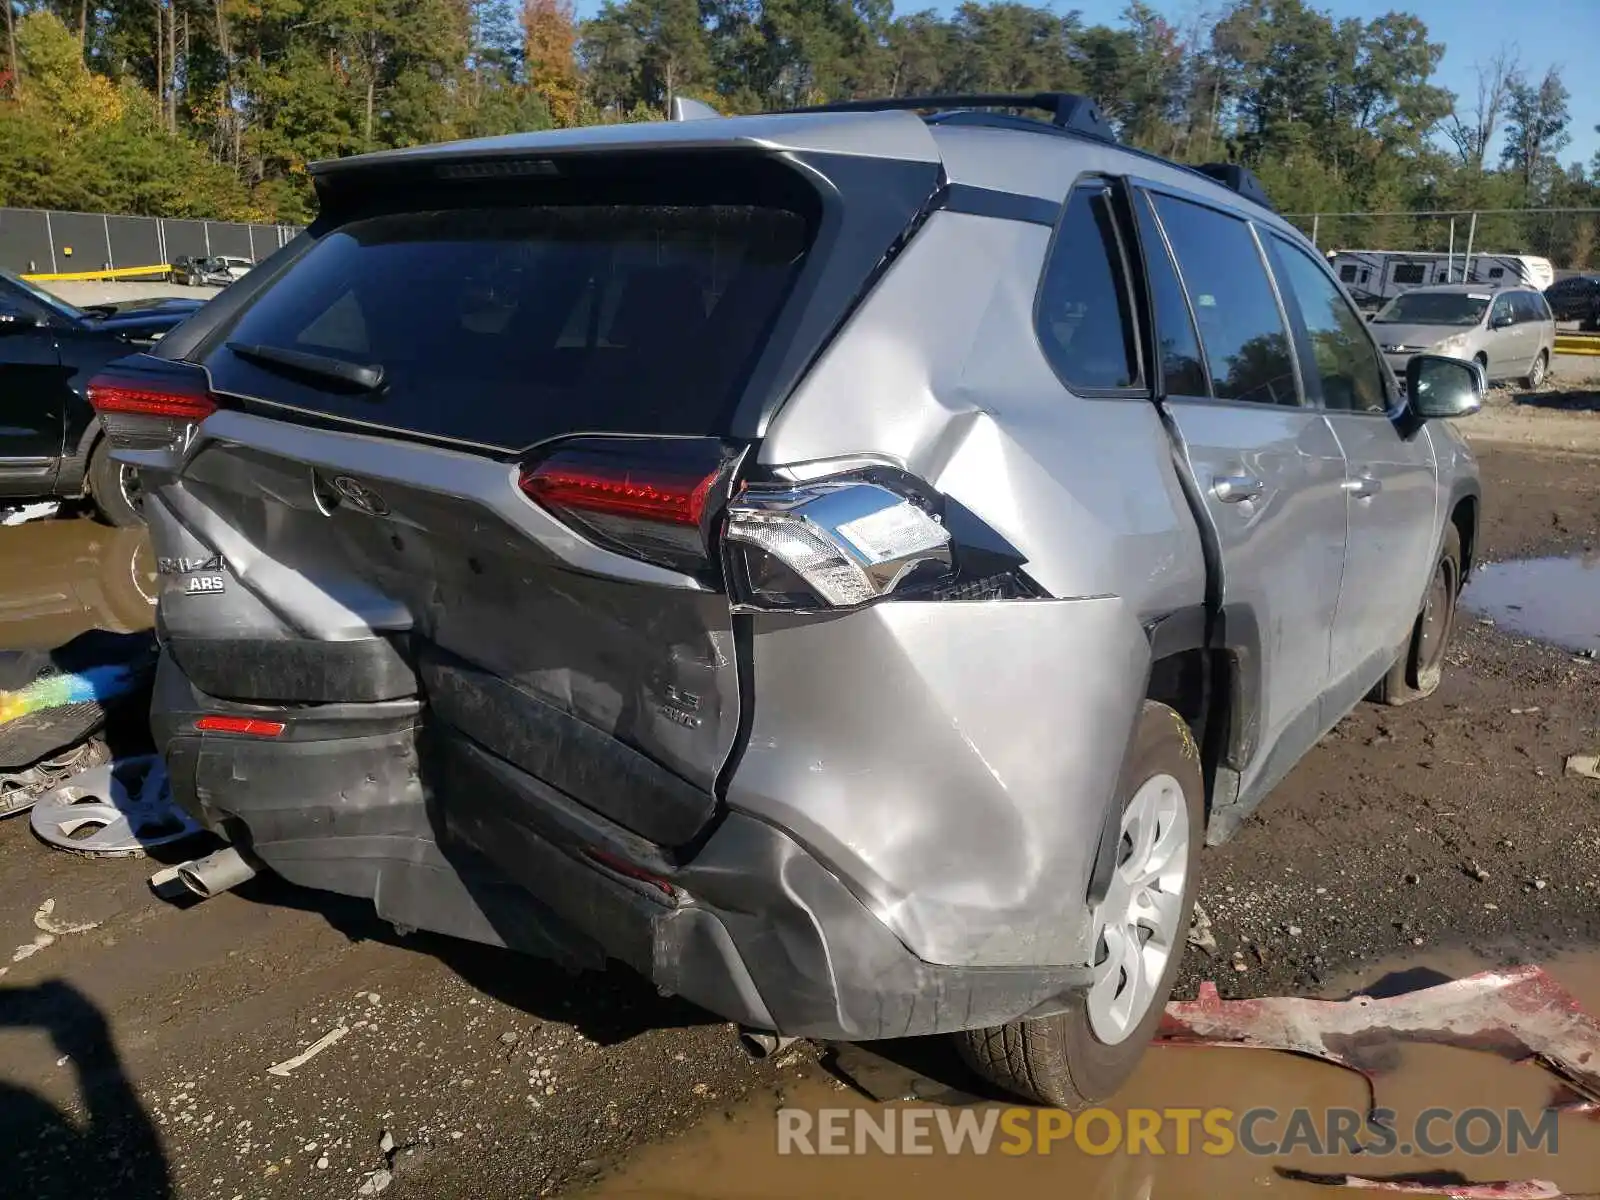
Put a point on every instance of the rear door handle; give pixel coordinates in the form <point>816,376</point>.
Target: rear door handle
<point>1363,487</point>
<point>1231,489</point>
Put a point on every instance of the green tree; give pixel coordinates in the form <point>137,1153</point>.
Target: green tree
<point>1536,130</point>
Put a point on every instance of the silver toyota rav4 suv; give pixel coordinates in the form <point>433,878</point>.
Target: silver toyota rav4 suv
<point>843,564</point>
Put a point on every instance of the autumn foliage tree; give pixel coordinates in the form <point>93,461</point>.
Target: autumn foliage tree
<point>216,107</point>
<point>549,48</point>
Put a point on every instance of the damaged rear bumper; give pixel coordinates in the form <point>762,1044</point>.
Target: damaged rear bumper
<point>369,800</point>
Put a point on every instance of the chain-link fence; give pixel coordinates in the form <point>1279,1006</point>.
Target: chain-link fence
<point>1568,237</point>
<point>37,241</point>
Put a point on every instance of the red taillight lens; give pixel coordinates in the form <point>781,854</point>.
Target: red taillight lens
<point>146,403</point>
<point>649,498</point>
<point>107,397</point>
<point>250,726</point>
<point>620,491</point>
<point>623,867</point>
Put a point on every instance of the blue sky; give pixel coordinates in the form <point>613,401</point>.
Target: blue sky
<point>1564,33</point>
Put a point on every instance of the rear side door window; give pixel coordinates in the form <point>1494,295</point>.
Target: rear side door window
<point>1177,345</point>
<point>1345,366</point>
<point>1084,314</point>
<point>1241,327</point>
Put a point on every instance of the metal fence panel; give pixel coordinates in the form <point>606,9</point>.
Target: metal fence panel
<point>80,240</point>
<point>230,239</point>
<point>25,240</point>
<point>135,241</point>
<point>185,238</point>
<point>36,242</point>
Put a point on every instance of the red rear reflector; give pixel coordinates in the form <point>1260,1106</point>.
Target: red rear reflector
<point>623,867</point>
<point>648,495</point>
<point>247,725</point>
<point>183,406</point>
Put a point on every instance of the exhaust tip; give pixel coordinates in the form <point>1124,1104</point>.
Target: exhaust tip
<point>759,1043</point>
<point>215,873</point>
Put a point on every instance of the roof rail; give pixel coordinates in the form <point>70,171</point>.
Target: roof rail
<point>1240,179</point>
<point>1077,114</point>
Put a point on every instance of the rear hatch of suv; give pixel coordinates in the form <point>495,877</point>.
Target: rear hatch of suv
<point>471,439</point>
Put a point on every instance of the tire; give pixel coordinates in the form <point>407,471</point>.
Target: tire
<point>1417,671</point>
<point>1536,373</point>
<point>1061,1059</point>
<point>1483,361</point>
<point>116,504</point>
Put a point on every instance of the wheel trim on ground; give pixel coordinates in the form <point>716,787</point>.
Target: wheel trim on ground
<point>1137,925</point>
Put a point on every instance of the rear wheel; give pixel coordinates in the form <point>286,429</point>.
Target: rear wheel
<point>1420,667</point>
<point>1536,373</point>
<point>113,487</point>
<point>1083,1054</point>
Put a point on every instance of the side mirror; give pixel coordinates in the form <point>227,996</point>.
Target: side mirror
<point>1438,388</point>
<point>18,323</point>
<point>1501,320</point>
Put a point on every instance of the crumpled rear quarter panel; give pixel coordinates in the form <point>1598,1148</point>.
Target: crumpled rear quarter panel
<point>952,761</point>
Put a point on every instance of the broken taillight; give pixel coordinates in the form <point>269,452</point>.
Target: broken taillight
<point>146,403</point>
<point>844,542</point>
<point>649,498</point>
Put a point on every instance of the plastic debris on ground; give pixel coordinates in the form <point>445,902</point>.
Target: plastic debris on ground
<point>29,512</point>
<point>1521,1014</point>
<point>1448,1184</point>
<point>114,810</point>
<point>53,700</point>
<point>20,790</point>
<point>1518,1014</point>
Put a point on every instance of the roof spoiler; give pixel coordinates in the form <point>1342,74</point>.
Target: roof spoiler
<point>1067,110</point>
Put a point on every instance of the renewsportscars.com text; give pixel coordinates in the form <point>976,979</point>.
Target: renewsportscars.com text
<point>934,1129</point>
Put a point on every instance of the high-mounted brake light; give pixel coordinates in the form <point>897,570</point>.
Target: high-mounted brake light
<point>649,498</point>
<point>250,726</point>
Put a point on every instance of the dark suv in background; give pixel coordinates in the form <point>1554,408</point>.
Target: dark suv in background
<point>50,441</point>
<point>1576,298</point>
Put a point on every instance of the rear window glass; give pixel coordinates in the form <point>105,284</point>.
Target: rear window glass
<point>504,326</point>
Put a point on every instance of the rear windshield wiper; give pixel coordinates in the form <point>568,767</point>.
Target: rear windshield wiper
<point>365,377</point>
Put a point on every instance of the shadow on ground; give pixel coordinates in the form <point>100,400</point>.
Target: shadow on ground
<point>607,1007</point>
<point>1580,399</point>
<point>111,1147</point>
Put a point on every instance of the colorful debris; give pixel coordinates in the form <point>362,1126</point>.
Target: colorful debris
<point>1518,1014</point>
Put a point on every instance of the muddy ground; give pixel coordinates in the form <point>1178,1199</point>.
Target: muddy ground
<point>134,1051</point>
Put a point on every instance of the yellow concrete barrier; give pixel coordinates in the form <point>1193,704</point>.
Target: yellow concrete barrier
<point>1588,344</point>
<point>109,273</point>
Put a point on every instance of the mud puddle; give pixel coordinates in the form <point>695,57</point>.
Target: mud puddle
<point>737,1156</point>
<point>59,579</point>
<point>1555,600</point>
